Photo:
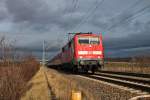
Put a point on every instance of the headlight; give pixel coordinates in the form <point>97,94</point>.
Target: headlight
<point>80,57</point>
<point>97,52</point>
<point>82,52</point>
<point>81,62</point>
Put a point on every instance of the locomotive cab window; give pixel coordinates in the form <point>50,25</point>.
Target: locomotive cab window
<point>84,40</point>
<point>94,40</point>
<point>88,40</point>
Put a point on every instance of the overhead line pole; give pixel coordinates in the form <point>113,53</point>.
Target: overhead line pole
<point>43,56</point>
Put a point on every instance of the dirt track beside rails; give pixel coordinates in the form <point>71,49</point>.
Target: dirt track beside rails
<point>63,83</point>
<point>38,87</point>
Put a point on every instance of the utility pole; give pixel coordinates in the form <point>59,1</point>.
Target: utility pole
<point>43,56</point>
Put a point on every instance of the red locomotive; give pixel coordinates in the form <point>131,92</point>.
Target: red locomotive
<point>84,52</point>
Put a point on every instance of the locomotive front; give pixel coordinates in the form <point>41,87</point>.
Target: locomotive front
<point>89,51</point>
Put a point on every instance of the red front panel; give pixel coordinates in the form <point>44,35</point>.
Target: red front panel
<point>89,50</point>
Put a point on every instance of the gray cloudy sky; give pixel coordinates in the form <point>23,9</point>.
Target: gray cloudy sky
<point>125,24</point>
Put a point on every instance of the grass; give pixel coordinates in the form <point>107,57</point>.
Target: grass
<point>139,64</point>
<point>16,69</point>
<point>13,78</point>
<point>61,86</point>
<point>38,88</point>
<point>128,67</point>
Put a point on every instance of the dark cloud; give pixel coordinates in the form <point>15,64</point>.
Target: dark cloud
<point>135,39</point>
<point>136,42</point>
<point>38,15</point>
<point>32,21</point>
<point>3,11</point>
<point>38,49</point>
<point>24,10</point>
<point>132,41</point>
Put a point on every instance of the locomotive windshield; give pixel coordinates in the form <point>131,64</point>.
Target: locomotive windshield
<point>89,40</point>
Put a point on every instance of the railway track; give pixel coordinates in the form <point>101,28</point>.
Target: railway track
<point>128,74</point>
<point>131,81</point>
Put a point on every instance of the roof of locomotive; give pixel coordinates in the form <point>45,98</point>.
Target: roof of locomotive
<point>80,34</point>
<point>85,34</point>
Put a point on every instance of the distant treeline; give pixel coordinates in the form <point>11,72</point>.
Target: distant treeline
<point>118,59</point>
<point>144,59</point>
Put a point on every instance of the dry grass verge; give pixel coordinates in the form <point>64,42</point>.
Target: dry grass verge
<point>38,88</point>
<point>61,86</point>
<point>16,69</point>
<point>14,76</point>
<point>127,67</point>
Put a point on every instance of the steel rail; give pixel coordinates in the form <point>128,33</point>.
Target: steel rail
<point>126,77</point>
<point>128,74</point>
<point>123,81</point>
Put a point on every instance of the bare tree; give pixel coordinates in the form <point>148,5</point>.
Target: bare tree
<point>14,73</point>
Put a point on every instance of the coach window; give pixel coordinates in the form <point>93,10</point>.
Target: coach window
<point>66,48</point>
<point>63,49</point>
<point>72,47</point>
<point>69,44</point>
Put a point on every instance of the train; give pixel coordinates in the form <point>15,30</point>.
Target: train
<point>84,52</point>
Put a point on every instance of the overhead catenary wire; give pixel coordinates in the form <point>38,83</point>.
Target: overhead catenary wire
<point>69,7</point>
<point>137,15</point>
<point>129,20</point>
<point>130,7</point>
<point>85,19</point>
<point>72,9</point>
<point>74,6</point>
<point>89,14</point>
<point>130,17</point>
